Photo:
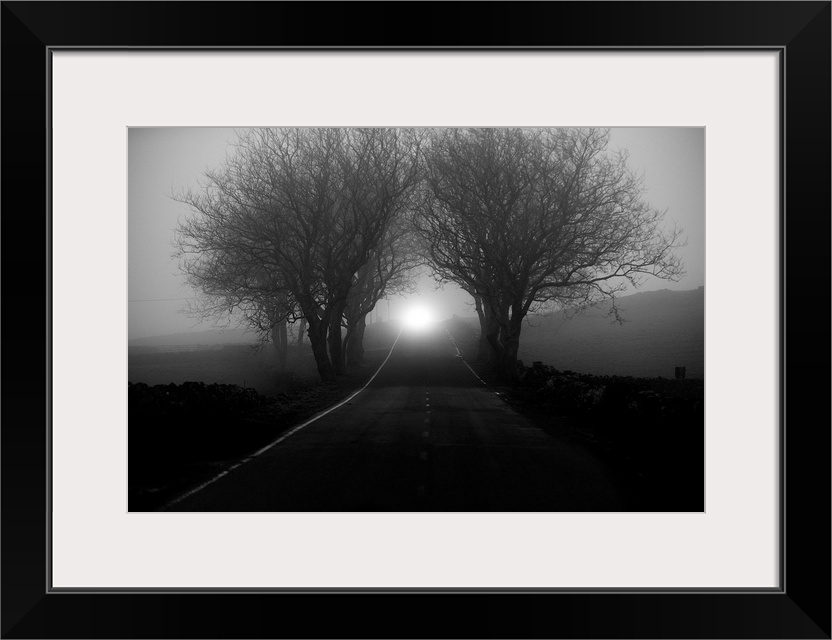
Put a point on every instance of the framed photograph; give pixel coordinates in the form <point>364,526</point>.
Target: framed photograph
<point>109,102</point>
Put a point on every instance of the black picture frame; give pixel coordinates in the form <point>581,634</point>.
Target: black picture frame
<point>799,31</point>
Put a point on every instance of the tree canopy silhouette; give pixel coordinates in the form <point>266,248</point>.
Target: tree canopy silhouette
<point>525,217</point>
<point>302,216</point>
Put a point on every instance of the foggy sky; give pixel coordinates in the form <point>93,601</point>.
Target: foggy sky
<point>164,160</point>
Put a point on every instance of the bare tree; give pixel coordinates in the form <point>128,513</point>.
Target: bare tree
<point>231,277</point>
<point>271,319</point>
<point>388,271</point>
<point>524,217</point>
<point>306,207</point>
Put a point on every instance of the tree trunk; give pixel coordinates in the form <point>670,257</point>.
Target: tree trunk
<point>508,361</point>
<point>492,337</point>
<point>336,351</point>
<point>279,340</point>
<point>325,368</point>
<point>510,341</point>
<point>283,334</point>
<point>355,344</point>
<point>317,338</point>
<point>345,344</point>
<point>301,331</point>
<point>484,351</point>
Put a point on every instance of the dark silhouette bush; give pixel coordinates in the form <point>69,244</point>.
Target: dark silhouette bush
<point>654,425</point>
<point>171,425</point>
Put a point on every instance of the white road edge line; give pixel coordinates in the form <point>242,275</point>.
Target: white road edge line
<point>293,430</point>
<point>459,353</point>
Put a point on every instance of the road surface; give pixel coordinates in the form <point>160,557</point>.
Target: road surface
<point>425,435</point>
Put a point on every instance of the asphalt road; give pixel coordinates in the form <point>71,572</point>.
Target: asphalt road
<point>425,435</point>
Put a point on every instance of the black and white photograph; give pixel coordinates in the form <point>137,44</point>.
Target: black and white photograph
<point>429,319</point>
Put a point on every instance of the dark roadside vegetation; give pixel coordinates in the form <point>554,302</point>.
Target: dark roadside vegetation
<point>193,414</point>
<point>648,430</point>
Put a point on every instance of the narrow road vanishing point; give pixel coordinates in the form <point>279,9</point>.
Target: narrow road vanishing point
<point>425,435</point>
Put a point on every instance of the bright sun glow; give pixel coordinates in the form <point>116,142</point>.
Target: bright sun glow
<point>418,319</point>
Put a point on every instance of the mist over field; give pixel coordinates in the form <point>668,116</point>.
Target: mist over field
<point>235,357</point>
<point>661,330</point>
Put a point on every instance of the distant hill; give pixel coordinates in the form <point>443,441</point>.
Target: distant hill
<point>210,337</point>
<point>662,330</point>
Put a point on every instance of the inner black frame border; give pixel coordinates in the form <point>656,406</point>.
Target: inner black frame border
<point>799,31</point>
